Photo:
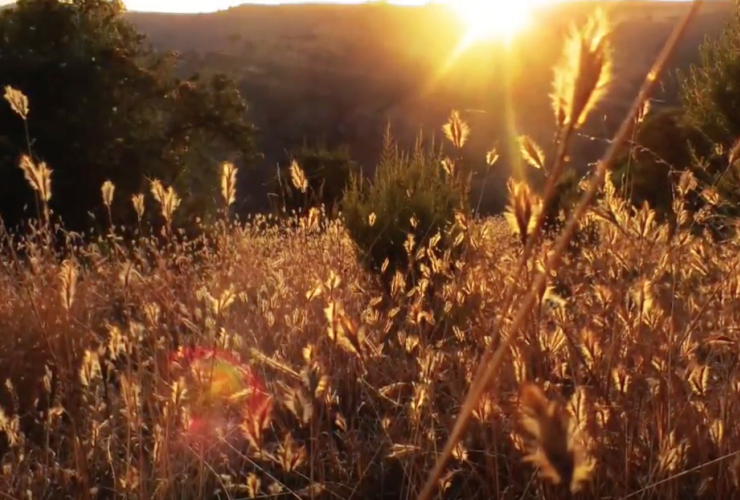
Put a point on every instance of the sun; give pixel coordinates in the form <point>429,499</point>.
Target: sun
<point>493,19</point>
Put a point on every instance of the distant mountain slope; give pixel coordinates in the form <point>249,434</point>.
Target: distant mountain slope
<point>340,72</point>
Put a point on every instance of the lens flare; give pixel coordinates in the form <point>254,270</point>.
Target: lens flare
<point>221,390</point>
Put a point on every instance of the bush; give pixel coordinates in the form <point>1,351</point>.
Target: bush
<point>328,172</point>
<point>698,137</point>
<point>710,94</point>
<point>412,198</point>
<point>660,146</point>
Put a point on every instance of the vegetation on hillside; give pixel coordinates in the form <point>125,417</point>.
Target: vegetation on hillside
<point>701,136</point>
<point>115,111</point>
<point>266,359</point>
<point>327,173</point>
<point>308,76</point>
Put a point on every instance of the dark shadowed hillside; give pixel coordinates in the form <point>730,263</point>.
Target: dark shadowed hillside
<point>340,73</point>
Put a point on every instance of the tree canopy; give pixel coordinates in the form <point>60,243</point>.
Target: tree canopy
<point>104,105</point>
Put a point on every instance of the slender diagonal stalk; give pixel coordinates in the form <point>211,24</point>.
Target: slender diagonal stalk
<point>556,170</point>
<point>480,383</point>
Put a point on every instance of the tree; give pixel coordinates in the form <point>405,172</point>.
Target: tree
<point>104,105</point>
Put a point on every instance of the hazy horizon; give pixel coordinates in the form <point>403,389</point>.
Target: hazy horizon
<point>204,6</point>
<point>196,6</point>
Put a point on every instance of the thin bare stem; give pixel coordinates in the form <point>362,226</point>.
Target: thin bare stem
<point>489,368</point>
<point>681,474</point>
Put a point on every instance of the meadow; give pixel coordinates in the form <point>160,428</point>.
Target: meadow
<point>265,358</point>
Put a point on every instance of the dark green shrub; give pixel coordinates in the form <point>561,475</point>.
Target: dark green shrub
<point>661,145</point>
<point>710,93</point>
<point>328,171</point>
<point>410,195</point>
<point>665,145</point>
<point>699,137</point>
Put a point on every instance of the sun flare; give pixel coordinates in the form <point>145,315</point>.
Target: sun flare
<point>493,19</point>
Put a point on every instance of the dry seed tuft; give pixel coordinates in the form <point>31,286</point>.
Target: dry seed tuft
<point>228,182</point>
<point>298,177</point>
<point>107,191</point>
<point>584,73</point>
<point>38,176</point>
<point>555,447</point>
<point>523,209</point>
<point>18,101</point>
<point>531,152</point>
<point>456,130</point>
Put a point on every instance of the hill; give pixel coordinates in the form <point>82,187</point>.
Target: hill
<point>342,72</point>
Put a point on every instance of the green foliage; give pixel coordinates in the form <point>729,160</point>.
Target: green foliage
<point>699,137</point>
<point>661,145</point>
<point>565,197</point>
<point>710,91</point>
<point>328,171</point>
<point>410,195</point>
<point>105,106</point>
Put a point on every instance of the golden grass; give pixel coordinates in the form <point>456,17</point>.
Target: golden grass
<point>638,358</point>
<point>618,373</point>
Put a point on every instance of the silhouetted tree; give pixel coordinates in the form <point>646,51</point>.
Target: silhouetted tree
<point>105,105</point>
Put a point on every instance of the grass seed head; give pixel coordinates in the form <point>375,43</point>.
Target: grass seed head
<point>298,177</point>
<point>523,209</point>
<point>228,182</point>
<point>556,449</point>
<point>137,201</point>
<point>18,101</point>
<point>456,130</point>
<point>584,73</point>
<point>38,176</point>
<point>531,152</point>
<point>107,191</point>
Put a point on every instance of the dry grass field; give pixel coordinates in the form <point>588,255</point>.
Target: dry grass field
<point>638,337</point>
<point>264,360</point>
